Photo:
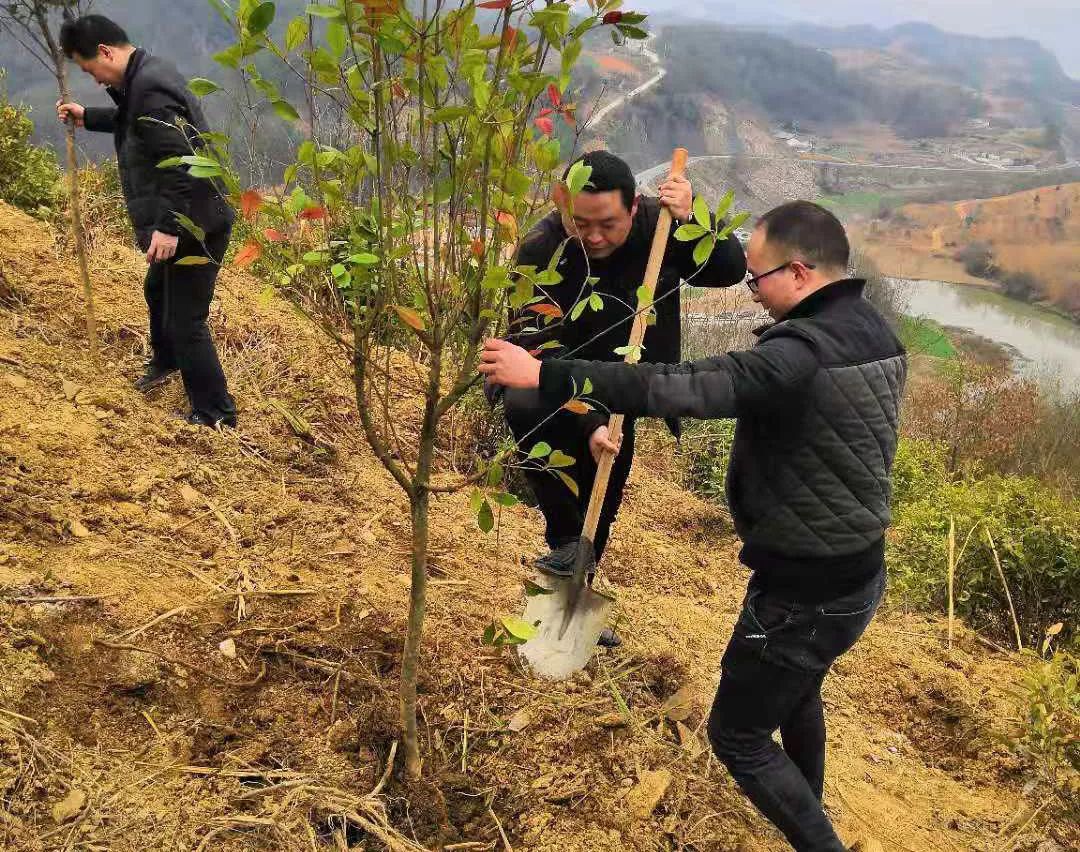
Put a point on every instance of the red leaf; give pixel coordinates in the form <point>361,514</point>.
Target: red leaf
<point>250,202</point>
<point>546,111</point>
<point>477,249</point>
<point>553,95</point>
<point>247,255</point>
<point>576,406</point>
<point>508,223</point>
<point>274,236</point>
<point>315,212</point>
<point>494,4</point>
<point>510,38</point>
<point>568,115</point>
<point>612,17</point>
<point>410,317</point>
<point>546,310</point>
<point>545,124</point>
<point>399,90</point>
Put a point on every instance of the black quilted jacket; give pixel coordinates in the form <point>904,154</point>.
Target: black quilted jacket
<point>817,402</point>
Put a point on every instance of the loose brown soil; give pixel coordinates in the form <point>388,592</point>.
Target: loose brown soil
<point>125,726</point>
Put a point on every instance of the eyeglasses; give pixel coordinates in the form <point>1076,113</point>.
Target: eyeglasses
<point>752,281</point>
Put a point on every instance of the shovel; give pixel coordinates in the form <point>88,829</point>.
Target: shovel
<point>569,613</point>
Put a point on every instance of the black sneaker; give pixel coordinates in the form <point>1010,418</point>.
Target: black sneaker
<point>560,561</point>
<point>609,639</point>
<point>153,377</point>
<point>197,418</point>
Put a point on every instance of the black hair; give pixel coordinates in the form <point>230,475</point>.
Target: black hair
<point>809,231</point>
<point>83,35</point>
<point>608,173</point>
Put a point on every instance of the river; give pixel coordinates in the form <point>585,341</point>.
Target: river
<point>1045,346</point>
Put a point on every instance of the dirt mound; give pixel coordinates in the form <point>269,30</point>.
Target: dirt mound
<point>200,631</point>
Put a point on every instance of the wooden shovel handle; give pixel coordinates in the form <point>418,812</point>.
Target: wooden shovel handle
<point>637,334</point>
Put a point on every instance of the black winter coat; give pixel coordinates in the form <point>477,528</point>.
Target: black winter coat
<point>150,102</point>
<point>596,334</point>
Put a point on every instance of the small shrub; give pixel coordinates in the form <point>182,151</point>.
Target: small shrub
<point>1036,534</point>
<point>703,455</point>
<point>29,175</point>
<point>978,260</point>
<point>1049,738</point>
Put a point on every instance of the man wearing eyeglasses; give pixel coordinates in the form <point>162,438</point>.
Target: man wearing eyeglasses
<point>817,404</point>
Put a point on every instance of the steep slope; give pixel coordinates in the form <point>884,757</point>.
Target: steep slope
<point>293,553</point>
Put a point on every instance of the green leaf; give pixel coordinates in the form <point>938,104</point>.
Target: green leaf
<point>725,205</point>
<point>489,634</point>
<point>363,259</point>
<point>568,482</point>
<point>296,34</point>
<point>450,113</point>
<point>286,111</point>
<point>192,260</point>
<point>205,171</point>
<point>578,177</point>
<point>539,451</point>
<point>586,388</point>
<point>476,500</point>
<point>533,589</point>
<point>337,37</point>
<point>260,18</point>
<point>485,518</point>
<point>505,499</point>
<point>644,297</point>
<point>495,474</point>
<point>632,32</point>
<point>331,13</point>
<point>518,628</point>
<point>171,163</point>
<point>701,212</point>
<point>548,344</point>
<point>578,310</point>
<point>704,249</point>
<point>189,226</point>
<point>690,231</point>
<point>596,302</point>
<point>202,87</point>
<point>560,459</point>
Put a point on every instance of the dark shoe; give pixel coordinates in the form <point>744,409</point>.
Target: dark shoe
<point>153,377</point>
<point>197,418</point>
<point>560,561</point>
<point>609,639</point>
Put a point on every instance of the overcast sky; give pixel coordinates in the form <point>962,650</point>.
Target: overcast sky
<point>1054,23</point>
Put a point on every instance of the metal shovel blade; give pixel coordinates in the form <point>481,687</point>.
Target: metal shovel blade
<point>567,632</point>
<point>568,621</point>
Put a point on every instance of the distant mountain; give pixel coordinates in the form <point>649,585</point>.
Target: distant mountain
<point>1015,67</point>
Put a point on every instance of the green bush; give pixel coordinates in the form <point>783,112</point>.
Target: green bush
<point>1049,738</point>
<point>29,175</point>
<point>1035,531</point>
<point>703,457</point>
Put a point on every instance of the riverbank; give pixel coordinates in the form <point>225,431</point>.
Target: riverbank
<point>1044,344</point>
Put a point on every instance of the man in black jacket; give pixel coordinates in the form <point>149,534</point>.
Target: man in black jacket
<point>809,484</point>
<point>613,228</point>
<point>155,118</point>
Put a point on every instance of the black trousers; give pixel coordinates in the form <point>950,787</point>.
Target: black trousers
<point>532,421</point>
<point>771,678</point>
<point>179,301</point>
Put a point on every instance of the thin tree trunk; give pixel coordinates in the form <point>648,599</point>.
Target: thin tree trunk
<point>60,66</point>
<point>410,659</point>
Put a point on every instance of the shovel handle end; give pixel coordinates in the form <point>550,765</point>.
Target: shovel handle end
<point>679,159</point>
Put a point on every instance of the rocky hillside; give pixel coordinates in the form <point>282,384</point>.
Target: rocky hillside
<point>199,632</point>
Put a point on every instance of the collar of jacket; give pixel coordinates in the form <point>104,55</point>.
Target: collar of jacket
<point>135,61</point>
<point>843,289</point>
